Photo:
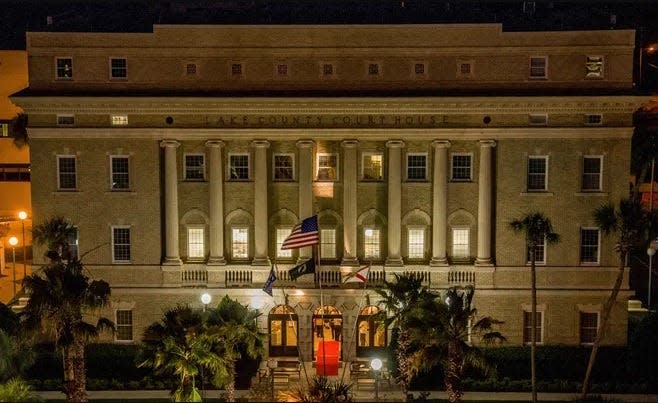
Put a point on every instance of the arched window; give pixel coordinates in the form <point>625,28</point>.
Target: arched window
<point>327,325</point>
<point>283,325</point>
<point>371,333</point>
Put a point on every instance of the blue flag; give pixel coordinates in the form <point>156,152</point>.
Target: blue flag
<point>270,281</point>
<point>307,267</point>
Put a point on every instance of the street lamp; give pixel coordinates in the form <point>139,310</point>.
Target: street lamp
<point>13,241</point>
<point>376,365</point>
<point>205,300</point>
<point>23,215</point>
<point>651,250</point>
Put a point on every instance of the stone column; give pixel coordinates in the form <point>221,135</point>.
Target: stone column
<point>485,202</point>
<point>305,188</point>
<point>349,203</point>
<point>216,200</point>
<point>261,227</point>
<point>172,255</point>
<point>440,203</point>
<point>394,201</point>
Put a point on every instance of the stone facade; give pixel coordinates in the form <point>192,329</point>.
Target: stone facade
<point>454,114</point>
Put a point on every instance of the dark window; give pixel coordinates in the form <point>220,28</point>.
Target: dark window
<point>121,244</point>
<point>536,173</point>
<point>124,325</point>
<point>14,172</point>
<point>64,68</point>
<point>589,326</point>
<point>327,69</point>
<point>239,167</point>
<point>194,167</point>
<point>120,174</point>
<point>419,68</point>
<point>236,69</point>
<point>589,245</point>
<point>461,167</point>
<point>373,69</point>
<point>66,173</point>
<point>118,68</point>
<point>527,327</point>
<point>592,173</point>
<point>416,167</point>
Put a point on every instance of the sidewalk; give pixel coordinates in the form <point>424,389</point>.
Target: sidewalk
<point>361,396</point>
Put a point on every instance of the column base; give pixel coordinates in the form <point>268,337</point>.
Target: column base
<point>394,261</point>
<point>483,261</point>
<point>261,261</point>
<point>439,261</point>
<point>216,261</point>
<point>349,261</point>
<point>172,261</point>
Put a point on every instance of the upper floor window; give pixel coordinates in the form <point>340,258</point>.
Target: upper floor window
<point>373,69</point>
<point>238,165</point>
<point>328,243</point>
<point>537,171</point>
<point>4,129</point>
<point>416,166</point>
<point>118,68</point>
<point>461,167</point>
<point>327,167</point>
<point>589,245</point>
<point>588,327</point>
<point>464,69</point>
<point>236,69</point>
<point>538,66</point>
<point>191,69</point>
<point>65,120</point>
<point>281,234</point>
<point>240,243</point>
<point>540,253</point>
<point>284,167</point>
<point>416,243</point>
<point>371,244</point>
<point>461,247</point>
<point>196,243</point>
<point>594,67</point>
<point>538,119</point>
<point>124,325</point>
<point>419,69</point>
<point>64,68</point>
<point>120,172</point>
<point>66,172</point>
<point>592,173</point>
<point>282,70</point>
<point>194,167</point>
<point>327,69</point>
<point>119,120</point>
<point>527,327</point>
<point>372,168</point>
<point>121,244</point>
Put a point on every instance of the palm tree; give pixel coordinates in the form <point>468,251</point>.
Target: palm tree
<point>398,298</point>
<point>61,295</point>
<point>235,326</point>
<point>19,130</point>
<point>537,229</point>
<point>630,222</point>
<point>442,325</point>
<point>55,233</point>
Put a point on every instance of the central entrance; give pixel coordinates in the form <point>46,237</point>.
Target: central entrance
<point>327,326</point>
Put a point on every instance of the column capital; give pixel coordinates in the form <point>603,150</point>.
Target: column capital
<point>351,143</point>
<point>441,143</point>
<point>487,143</point>
<point>214,144</point>
<point>260,144</point>
<point>305,144</point>
<point>169,143</point>
<point>395,144</point>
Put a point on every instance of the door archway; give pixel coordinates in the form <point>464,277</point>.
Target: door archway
<point>283,329</point>
<point>328,326</point>
<point>371,333</point>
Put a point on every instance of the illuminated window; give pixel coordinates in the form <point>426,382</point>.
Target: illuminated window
<point>119,120</point>
<point>195,243</point>
<point>371,333</point>
<point>64,68</point>
<point>240,243</point>
<point>372,168</point>
<point>371,243</point>
<point>416,243</point>
<point>416,167</point>
<point>327,167</point>
<point>283,167</point>
<point>120,172</point>
<point>537,171</point>
<point>527,327</point>
<point>283,331</point>
<point>589,327</point>
<point>589,245</point>
<point>195,167</point>
<point>124,325</point>
<point>461,248</point>
<point>462,169</point>
<point>538,67</point>
<point>592,173</point>
<point>281,235</point>
<point>118,68</point>
<point>121,244</point>
<point>594,67</point>
<point>66,172</point>
<point>238,165</point>
<point>328,243</point>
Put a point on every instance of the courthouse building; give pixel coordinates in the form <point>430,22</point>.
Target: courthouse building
<point>185,156</point>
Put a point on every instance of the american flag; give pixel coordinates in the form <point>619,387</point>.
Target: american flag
<point>304,234</point>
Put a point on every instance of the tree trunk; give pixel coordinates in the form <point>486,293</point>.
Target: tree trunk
<point>533,324</point>
<point>607,308</point>
<point>404,368</point>
<point>79,369</point>
<point>230,386</point>
<point>453,380</point>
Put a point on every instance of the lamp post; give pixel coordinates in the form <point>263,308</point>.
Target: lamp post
<point>651,250</point>
<point>13,241</point>
<point>205,300</point>
<point>23,215</point>
<point>271,365</point>
<point>376,365</point>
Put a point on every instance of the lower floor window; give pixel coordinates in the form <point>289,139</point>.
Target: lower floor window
<point>589,326</point>
<point>460,243</point>
<point>124,325</point>
<point>195,244</point>
<point>527,327</point>
<point>328,243</point>
<point>371,248</point>
<point>121,244</point>
<point>240,243</point>
<point>416,244</point>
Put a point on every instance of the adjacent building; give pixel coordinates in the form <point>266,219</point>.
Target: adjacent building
<point>185,157</point>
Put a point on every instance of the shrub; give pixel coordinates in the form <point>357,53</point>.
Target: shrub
<point>17,390</point>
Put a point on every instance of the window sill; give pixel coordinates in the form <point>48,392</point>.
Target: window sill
<point>66,191</point>
<point>461,180</point>
<point>594,194</point>
<point>124,192</point>
<point>417,181</point>
<point>536,264</point>
<point>326,180</point>
<point>194,181</point>
<point>538,193</point>
<point>283,181</point>
<point>371,181</point>
<point>239,180</point>
<point>586,264</point>
<point>121,263</point>
<point>544,78</point>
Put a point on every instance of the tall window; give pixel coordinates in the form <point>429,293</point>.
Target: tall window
<point>194,167</point>
<point>371,331</point>
<point>416,167</point>
<point>416,243</point>
<point>118,68</point>
<point>537,169</point>
<point>372,167</point>
<point>592,173</point>
<point>66,172</point>
<point>538,67</point>
<point>327,167</point>
<point>371,243</point>
<point>124,325</point>
<point>589,326</point>
<point>540,253</point>
<point>527,327</point>
<point>72,242</point>
<point>64,68</point>
<point>461,167</point>
<point>589,245</point>
<point>328,243</point>
<point>461,243</point>
<point>121,244</point>
<point>120,173</point>
<point>119,120</point>
<point>238,165</point>
<point>283,167</point>
<point>283,329</point>
<point>240,243</point>
<point>195,243</point>
<point>281,235</point>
